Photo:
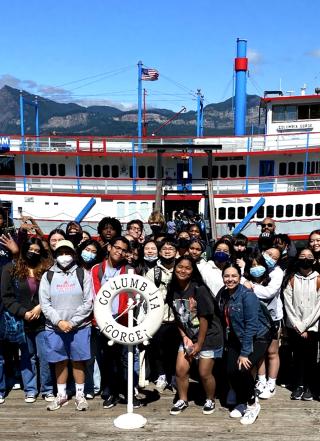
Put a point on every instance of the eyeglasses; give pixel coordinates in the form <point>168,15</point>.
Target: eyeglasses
<point>267,225</point>
<point>168,249</point>
<point>135,228</point>
<point>122,250</point>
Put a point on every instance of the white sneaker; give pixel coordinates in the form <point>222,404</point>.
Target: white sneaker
<point>2,399</point>
<point>238,411</point>
<point>251,414</point>
<point>30,399</point>
<point>16,386</point>
<point>260,387</point>
<point>267,392</point>
<point>161,384</point>
<point>231,398</point>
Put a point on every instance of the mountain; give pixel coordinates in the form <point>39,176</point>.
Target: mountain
<point>73,119</point>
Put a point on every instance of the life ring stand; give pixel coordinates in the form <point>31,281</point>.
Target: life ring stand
<point>137,288</point>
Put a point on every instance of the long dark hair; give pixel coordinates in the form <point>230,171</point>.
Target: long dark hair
<point>294,267</point>
<point>82,246</point>
<point>258,257</point>
<point>21,268</point>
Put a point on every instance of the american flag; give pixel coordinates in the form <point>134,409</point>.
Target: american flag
<point>149,74</point>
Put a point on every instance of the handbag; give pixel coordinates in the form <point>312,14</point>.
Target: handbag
<point>11,328</point>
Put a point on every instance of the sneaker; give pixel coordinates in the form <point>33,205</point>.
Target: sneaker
<point>81,403</point>
<point>251,414</point>
<point>48,397</point>
<point>89,396</point>
<point>297,393</point>
<point>231,399</point>
<point>16,386</point>
<point>238,411</point>
<point>259,387</point>
<point>267,392</point>
<point>58,402</point>
<point>209,407</point>
<point>2,399</point>
<point>161,384</point>
<point>178,407</point>
<point>136,403</point>
<point>30,399</point>
<point>307,395</point>
<point>109,402</point>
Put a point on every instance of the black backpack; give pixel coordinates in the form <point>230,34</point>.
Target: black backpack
<point>79,271</point>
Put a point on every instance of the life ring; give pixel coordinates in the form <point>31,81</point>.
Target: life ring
<point>135,286</point>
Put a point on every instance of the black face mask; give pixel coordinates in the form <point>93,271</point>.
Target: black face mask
<point>240,254</point>
<point>305,263</point>
<point>167,260</point>
<point>75,238</point>
<point>183,243</point>
<point>156,229</point>
<point>33,259</point>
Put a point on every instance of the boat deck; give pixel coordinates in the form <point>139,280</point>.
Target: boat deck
<point>280,419</point>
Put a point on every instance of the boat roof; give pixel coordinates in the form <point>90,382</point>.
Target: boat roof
<point>290,98</point>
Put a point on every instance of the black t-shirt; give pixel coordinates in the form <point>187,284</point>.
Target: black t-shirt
<point>193,303</point>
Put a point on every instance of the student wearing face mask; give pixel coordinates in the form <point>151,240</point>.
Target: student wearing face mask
<point>302,306</point>
<point>183,240</point>
<point>164,343</point>
<point>66,300</point>
<point>148,257</point>
<point>20,294</point>
<point>270,295</point>
<point>74,233</point>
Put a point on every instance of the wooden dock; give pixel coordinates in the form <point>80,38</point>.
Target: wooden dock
<point>280,419</point>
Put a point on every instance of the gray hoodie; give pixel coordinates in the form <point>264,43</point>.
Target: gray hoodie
<point>64,298</point>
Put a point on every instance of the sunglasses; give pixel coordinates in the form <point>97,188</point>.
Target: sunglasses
<point>267,225</point>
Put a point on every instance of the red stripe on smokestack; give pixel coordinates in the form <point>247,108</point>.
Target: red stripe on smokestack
<point>240,64</point>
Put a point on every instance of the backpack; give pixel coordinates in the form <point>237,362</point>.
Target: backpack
<point>79,271</point>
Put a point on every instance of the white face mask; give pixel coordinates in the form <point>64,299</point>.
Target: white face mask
<point>64,260</point>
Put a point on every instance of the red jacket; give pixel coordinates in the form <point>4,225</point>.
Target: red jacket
<point>97,273</point>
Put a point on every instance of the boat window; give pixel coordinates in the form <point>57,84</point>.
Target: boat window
<point>249,208</point>
<point>115,171</point>
<point>205,172</point>
<point>224,171</point>
<point>27,168</point>
<point>317,210</point>
<point>278,113</point>
<point>241,212</point>
<point>141,171</point>
<point>242,170</point>
<point>97,171</point>
<point>300,168</point>
<point>61,170</point>
<point>315,111</point>
<point>233,171</point>
<point>270,211</point>
<point>44,169</point>
<point>299,210</point>
<point>35,169</point>
<point>120,209</point>
<point>80,170</point>
<point>292,168</point>
<point>150,171</point>
<point>291,113</point>
<point>284,113</point>
<point>282,168</point>
<point>88,170</point>
<point>317,167</point>
<point>215,171</point>
<point>311,167</point>
<point>222,213</point>
<point>53,169</point>
<point>231,213</point>
<point>279,211</point>
<point>303,112</point>
<point>289,210</point>
<point>131,171</point>
<point>260,213</point>
<point>132,209</point>
<point>309,210</point>
<point>106,171</point>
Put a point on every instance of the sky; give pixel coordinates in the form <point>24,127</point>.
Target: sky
<point>87,51</point>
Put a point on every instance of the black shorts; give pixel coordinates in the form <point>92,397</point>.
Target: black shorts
<point>275,331</point>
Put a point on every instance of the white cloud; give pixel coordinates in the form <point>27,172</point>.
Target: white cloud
<point>255,58</point>
<point>314,54</point>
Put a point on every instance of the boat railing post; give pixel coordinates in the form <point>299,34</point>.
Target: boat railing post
<point>134,169</point>
<point>305,171</point>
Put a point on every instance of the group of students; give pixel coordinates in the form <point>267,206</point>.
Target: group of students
<point>227,310</point>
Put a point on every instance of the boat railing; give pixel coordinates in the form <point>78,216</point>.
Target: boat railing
<point>45,184</point>
<point>105,145</point>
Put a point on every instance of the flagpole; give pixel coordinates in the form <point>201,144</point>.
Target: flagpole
<point>139,106</point>
<point>198,112</point>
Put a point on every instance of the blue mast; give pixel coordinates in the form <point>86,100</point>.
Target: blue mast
<point>139,106</point>
<point>241,67</point>
<point>199,113</point>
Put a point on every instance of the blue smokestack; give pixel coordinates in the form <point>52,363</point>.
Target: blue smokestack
<point>241,67</point>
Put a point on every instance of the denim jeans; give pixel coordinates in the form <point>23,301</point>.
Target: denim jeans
<point>93,376</point>
<point>34,348</point>
<point>2,375</point>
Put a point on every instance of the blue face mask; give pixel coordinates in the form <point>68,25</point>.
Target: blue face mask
<point>271,263</point>
<point>221,256</point>
<point>257,271</point>
<point>88,256</point>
